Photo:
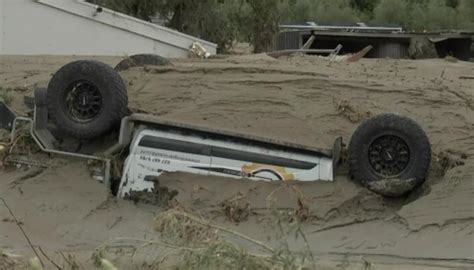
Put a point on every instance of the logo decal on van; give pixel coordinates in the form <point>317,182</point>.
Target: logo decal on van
<point>262,169</point>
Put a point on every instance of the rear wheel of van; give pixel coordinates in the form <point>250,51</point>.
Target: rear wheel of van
<point>86,99</point>
<point>390,154</point>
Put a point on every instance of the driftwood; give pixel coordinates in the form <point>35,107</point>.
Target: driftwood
<point>357,56</point>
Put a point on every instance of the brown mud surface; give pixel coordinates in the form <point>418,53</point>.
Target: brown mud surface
<point>300,99</point>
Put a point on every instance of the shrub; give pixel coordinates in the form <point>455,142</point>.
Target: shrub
<point>391,12</point>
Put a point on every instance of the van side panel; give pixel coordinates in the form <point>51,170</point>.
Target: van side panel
<point>153,152</point>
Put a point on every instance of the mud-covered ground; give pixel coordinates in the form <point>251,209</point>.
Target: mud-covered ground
<point>300,99</point>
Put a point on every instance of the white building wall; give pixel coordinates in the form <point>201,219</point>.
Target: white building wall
<point>71,27</point>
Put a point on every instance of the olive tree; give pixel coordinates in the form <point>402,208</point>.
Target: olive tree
<point>142,9</point>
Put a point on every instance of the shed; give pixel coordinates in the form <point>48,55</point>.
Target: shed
<point>74,27</point>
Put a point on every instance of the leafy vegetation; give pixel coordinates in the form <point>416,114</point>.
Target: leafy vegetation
<point>256,21</point>
<point>189,241</point>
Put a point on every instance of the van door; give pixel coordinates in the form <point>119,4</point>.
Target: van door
<point>154,152</point>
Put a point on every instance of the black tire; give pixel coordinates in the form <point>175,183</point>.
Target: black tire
<point>140,60</point>
<point>389,146</point>
<point>86,99</point>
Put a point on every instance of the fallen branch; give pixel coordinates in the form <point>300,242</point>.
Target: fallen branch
<point>149,242</point>
<point>73,264</point>
<point>49,259</point>
<point>206,223</point>
<point>98,255</point>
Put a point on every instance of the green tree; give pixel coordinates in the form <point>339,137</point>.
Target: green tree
<point>426,15</point>
<point>439,16</point>
<point>257,21</point>
<point>142,9</point>
<point>452,3</point>
<point>466,12</point>
<point>391,12</point>
<point>416,16</point>
<point>323,11</point>
<point>364,6</point>
<point>264,18</point>
<point>335,11</point>
<point>206,19</point>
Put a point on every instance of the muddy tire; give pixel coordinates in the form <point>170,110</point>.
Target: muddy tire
<point>140,60</point>
<point>86,99</point>
<point>386,149</point>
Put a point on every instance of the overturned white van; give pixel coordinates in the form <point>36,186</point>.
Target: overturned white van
<point>87,99</point>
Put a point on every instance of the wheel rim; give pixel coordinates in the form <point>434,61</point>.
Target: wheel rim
<point>83,101</point>
<point>389,155</point>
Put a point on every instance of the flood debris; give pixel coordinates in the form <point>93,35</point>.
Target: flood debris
<point>160,195</point>
<point>197,50</point>
<point>29,175</point>
<point>353,113</point>
<point>183,228</point>
<point>359,55</point>
<point>447,161</point>
<point>237,208</point>
<point>302,212</point>
<point>8,261</point>
<point>203,245</point>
